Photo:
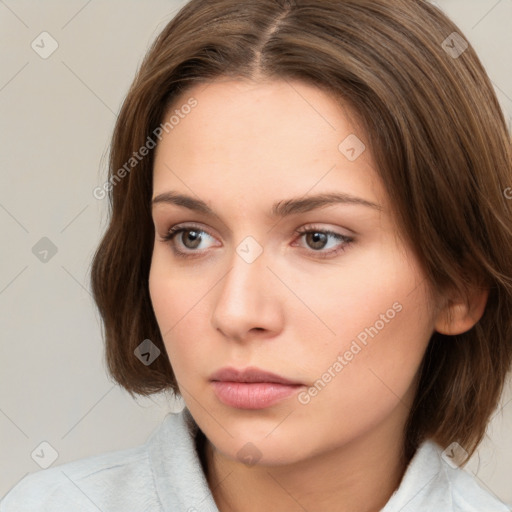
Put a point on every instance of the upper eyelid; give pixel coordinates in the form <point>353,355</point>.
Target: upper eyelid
<point>288,218</point>
<point>186,226</point>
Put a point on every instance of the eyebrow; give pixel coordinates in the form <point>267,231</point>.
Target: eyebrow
<point>280,209</point>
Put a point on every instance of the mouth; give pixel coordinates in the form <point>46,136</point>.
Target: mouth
<point>252,388</point>
<point>249,376</point>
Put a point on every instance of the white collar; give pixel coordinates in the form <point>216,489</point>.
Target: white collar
<point>428,485</point>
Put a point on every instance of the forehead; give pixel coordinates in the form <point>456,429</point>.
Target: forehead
<point>282,136</point>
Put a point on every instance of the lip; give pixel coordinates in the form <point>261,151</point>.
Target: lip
<point>251,388</point>
<point>250,375</point>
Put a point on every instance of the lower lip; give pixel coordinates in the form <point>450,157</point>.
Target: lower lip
<point>255,395</point>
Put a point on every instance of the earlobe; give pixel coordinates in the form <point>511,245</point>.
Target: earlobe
<point>460,315</point>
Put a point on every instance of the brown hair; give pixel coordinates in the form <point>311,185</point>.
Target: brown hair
<point>434,126</point>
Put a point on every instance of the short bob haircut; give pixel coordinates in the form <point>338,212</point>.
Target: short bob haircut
<point>434,126</point>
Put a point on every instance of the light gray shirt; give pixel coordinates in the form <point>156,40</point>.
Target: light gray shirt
<point>165,475</point>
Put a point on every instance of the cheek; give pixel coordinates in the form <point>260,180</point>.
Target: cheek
<point>380,314</point>
<point>362,382</point>
<point>176,300</point>
<point>369,295</point>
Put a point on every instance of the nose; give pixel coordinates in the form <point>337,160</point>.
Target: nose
<point>248,302</point>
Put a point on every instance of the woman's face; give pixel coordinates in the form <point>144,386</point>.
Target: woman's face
<point>289,262</point>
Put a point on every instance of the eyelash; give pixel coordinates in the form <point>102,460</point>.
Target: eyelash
<point>176,230</point>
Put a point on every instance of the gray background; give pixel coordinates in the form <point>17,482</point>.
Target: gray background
<point>57,116</point>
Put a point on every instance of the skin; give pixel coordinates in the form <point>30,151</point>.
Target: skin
<point>246,146</point>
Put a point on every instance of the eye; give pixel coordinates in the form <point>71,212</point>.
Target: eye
<point>318,241</point>
<point>188,241</point>
<point>190,237</point>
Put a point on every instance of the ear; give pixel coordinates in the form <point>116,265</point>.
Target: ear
<point>460,313</point>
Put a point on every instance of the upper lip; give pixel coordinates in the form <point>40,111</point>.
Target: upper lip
<point>251,374</point>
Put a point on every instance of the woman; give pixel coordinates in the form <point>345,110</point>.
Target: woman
<point>310,243</point>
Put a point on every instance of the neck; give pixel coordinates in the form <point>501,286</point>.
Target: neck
<point>358,476</point>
